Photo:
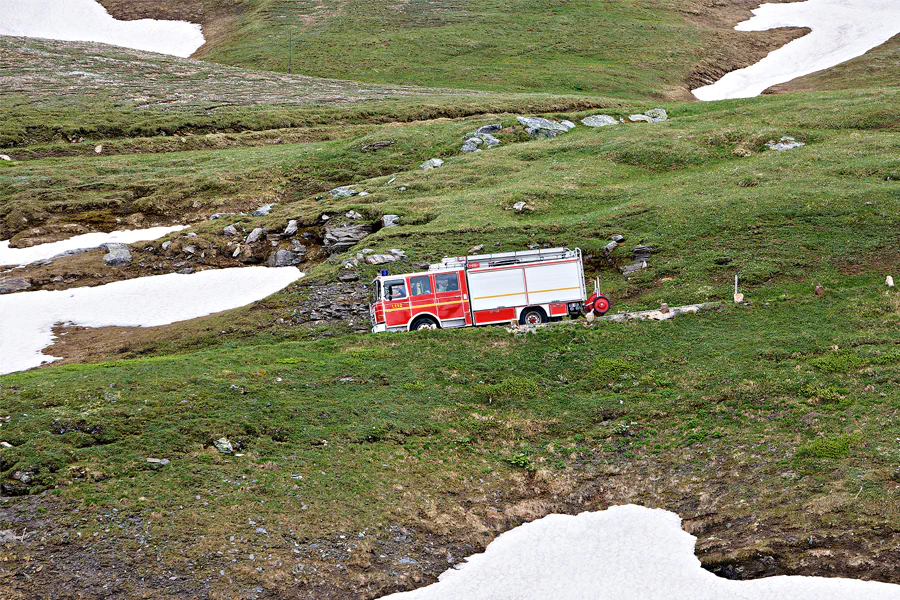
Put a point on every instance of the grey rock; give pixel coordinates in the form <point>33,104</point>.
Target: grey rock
<point>475,249</point>
<point>617,238</point>
<point>487,129</point>
<point>391,180</point>
<point>637,118</point>
<point>519,206</point>
<point>542,128</point>
<point>345,191</point>
<point>489,140</point>
<point>348,275</point>
<point>190,250</point>
<point>223,446</point>
<point>380,259</point>
<point>118,255</point>
<point>291,228</point>
<point>230,231</point>
<point>785,143</point>
<point>157,463</point>
<point>5,157</point>
<point>363,193</point>
<point>390,220</point>
<point>255,235</point>
<point>402,188</point>
<point>472,144</point>
<point>641,253</point>
<point>282,258</point>
<point>165,245</point>
<point>657,115</point>
<point>8,285</point>
<point>353,215</point>
<point>431,163</point>
<point>599,121</point>
<point>397,252</point>
<point>340,238</point>
<point>262,211</point>
<point>567,124</point>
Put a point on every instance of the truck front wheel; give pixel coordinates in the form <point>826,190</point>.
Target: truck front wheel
<point>532,316</point>
<point>423,323</point>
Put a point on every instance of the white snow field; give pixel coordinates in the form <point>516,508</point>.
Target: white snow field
<point>841,30</point>
<point>27,318</point>
<point>624,553</point>
<point>19,257</point>
<point>88,21</point>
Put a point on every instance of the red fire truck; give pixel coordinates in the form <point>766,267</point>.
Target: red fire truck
<point>529,287</point>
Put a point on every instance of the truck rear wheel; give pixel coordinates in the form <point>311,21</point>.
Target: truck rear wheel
<point>423,323</point>
<point>532,316</point>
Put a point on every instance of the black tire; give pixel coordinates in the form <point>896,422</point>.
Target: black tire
<point>424,323</point>
<point>532,316</point>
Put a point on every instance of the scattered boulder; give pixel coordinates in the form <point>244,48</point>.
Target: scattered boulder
<point>489,140</point>
<point>190,249</point>
<point>475,249</point>
<point>785,143</point>
<point>345,191</point>
<point>353,215</point>
<point>472,145</point>
<point>390,220</point>
<point>542,128</point>
<point>230,231</point>
<point>5,157</point>
<point>380,259</point>
<point>617,238</point>
<point>262,211</point>
<point>340,238</point>
<point>657,115</point>
<point>599,121</point>
<point>642,252</point>
<point>638,118</point>
<point>283,258</point>
<point>118,255</point>
<point>363,193</point>
<point>397,252</point>
<point>99,149</point>
<point>519,206</point>
<point>567,124</point>
<point>375,146</point>
<point>8,285</point>
<point>488,129</point>
<point>291,228</point>
<point>348,276</point>
<point>255,235</point>
<point>431,163</point>
<point>223,446</point>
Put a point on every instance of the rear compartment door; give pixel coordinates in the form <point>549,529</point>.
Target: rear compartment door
<point>554,282</point>
<point>497,288</point>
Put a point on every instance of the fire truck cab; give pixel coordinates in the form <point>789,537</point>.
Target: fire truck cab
<point>529,287</point>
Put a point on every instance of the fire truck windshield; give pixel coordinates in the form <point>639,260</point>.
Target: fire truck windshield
<point>376,291</point>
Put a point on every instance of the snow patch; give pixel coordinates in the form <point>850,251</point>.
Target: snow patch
<point>88,21</point>
<point>27,318</point>
<point>19,257</point>
<point>624,553</point>
<point>841,30</point>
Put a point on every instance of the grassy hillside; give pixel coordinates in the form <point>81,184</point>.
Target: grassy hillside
<point>762,424</point>
<point>634,47</point>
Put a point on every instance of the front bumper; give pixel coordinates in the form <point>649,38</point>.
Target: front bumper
<point>379,328</point>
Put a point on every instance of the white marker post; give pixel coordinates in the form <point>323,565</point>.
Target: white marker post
<point>738,297</point>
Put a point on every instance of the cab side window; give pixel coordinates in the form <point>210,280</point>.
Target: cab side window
<point>446,282</point>
<point>395,290</point>
<point>420,286</point>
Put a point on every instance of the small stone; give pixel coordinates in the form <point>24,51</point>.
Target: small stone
<point>785,143</point>
<point>363,193</point>
<point>190,250</point>
<point>617,238</point>
<point>99,149</point>
<point>353,215</point>
<point>541,127</point>
<point>380,259</point>
<point>397,252</point>
<point>6,444</point>
<point>391,180</point>
<point>224,446</point>
<point>819,289</point>
<point>157,463</point>
<point>569,125</point>
<point>8,285</point>
<point>664,308</point>
<point>889,281</point>
<point>519,206</point>
<point>283,258</point>
<point>475,249</point>
<point>230,231</point>
<point>723,260</point>
<point>291,228</point>
<point>599,121</point>
<point>255,235</point>
<point>389,220</point>
<point>344,191</point>
<point>402,188</point>
<point>431,163</point>
<point>165,245</point>
<point>472,144</point>
<point>118,254</point>
<point>5,157</point>
<point>348,276</point>
<point>639,118</point>
<point>489,140</point>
